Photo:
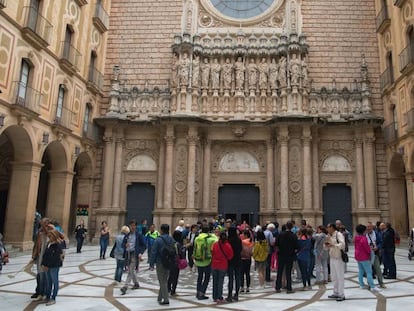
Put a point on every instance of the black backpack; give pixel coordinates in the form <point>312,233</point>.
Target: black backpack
<point>168,255</point>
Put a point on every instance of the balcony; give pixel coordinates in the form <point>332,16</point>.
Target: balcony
<point>26,99</point>
<point>386,78</point>
<point>37,29</point>
<point>63,119</point>
<point>3,4</point>
<point>70,58</point>
<point>382,20</point>
<point>410,120</point>
<point>399,3</point>
<point>81,2</point>
<point>101,18</point>
<point>90,132</point>
<point>390,133</point>
<point>407,58</point>
<point>95,81</point>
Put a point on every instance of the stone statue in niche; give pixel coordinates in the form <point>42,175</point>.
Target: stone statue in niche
<point>174,71</point>
<point>263,74</point>
<point>294,70</point>
<point>215,74</point>
<point>240,70</point>
<point>305,80</point>
<point>273,73</point>
<point>184,70</point>
<point>282,72</point>
<point>252,68</point>
<point>195,80</point>
<point>227,74</point>
<point>205,73</point>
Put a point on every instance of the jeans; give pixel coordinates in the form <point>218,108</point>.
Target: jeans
<point>376,267</point>
<point>388,258</point>
<point>203,279</point>
<point>103,241</point>
<point>120,263</point>
<point>79,243</point>
<point>245,272</point>
<point>284,264</point>
<point>304,271</point>
<point>365,267</point>
<point>190,256</point>
<point>52,280</point>
<point>41,283</point>
<point>173,280</point>
<point>234,273</point>
<point>268,267</point>
<point>162,274</point>
<point>218,280</point>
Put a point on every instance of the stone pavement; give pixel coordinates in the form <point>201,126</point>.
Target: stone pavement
<point>86,283</point>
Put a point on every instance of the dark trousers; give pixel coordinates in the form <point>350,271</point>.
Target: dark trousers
<point>41,283</point>
<point>173,280</point>
<point>190,256</point>
<point>218,280</point>
<point>284,263</point>
<point>304,270</point>
<point>245,272</point>
<point>268,267</point>
<point>203,279</point>
<point>79,243</point>
<point>234,273</point>
<point>388,257</point>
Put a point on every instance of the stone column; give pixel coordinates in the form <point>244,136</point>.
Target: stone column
<point>160,175</point>
<point>21,204</point>
<point>116,191</point>
<point>206,175</point>
<point>270,176</point>
<point>192,139</point>
<point>315,163</point>
<point>108,172</point>
<point>283,139</point>
<point>59,197</point>
<point>369,170</point>
<point>169,164</point>
<point>360,172</point>
<point>307,169</point>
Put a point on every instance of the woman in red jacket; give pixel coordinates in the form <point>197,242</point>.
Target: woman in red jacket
<point>221,253</point>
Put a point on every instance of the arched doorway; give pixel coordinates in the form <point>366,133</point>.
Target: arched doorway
<point>398,194</point>
<point>82,187</point>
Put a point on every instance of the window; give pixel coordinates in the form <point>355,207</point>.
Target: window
<point>92,66</point>
<point>395,118</point>
<point>23,82</point>
<point>61,97</point>
<point>410,35</point>
<point>87,116</point>
<point>390,67</point>
<point>67,42</point>
<point>33,14</point>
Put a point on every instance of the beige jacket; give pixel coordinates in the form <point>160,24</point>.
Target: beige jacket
<point>337,241</point>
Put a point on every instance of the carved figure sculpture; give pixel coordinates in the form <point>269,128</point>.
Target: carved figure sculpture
<point>227,74</point>
<point>184,70</point>
<point>215,74</point>
<point>305,81</point>
<point>205,73</point>
<point>252,74</point>
<point>195,81</point>
<point>294,70</point>
<point>282,72</point>
<point>273,74</point>
<point>263,74</point>
<point>174,71</point>
<point>239,70</point>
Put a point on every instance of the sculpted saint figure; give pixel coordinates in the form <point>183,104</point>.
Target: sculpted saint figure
<point>263,73</point>
<point>282,72</point>
<point>252,74</point>
<point>227,74</point>
<point>184,70</point>
<point>215,74</point>
<point>174,71</point>
<point>205,73</point>
<point>304,73</point>
<point>196,72</point>
<point>273,73</point>
<point>294,70</point>
<point>239,69</point>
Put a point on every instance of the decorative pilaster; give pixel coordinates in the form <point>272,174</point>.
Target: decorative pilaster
<point>192,140</point>
<point>160,176</point>
<point>206,175</point>
<point>360,172</point>
<point>307,169</point>
<point>108,173</point>
<point>283,139</point>
<point>270,175</point>
<point>369,169</point>
<point>119,146</point>
<point>169,162</point>
<point>315,163</point>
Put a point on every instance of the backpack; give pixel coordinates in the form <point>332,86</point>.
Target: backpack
<point>204,253</point>
<point>260,251</point>
<point>169,255</point>
<point>247,251</point>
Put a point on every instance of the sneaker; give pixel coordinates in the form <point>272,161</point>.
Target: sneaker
<point>136,286</point>
<point>51,302</point>
<point>333,296</point>
<point>34,296</point>
<point>247,290</point>
<point>364,287</point>
<point>340,299</point>
<point>242,290</point>
<point>38,298</point>
<point>375,290</point>
<point>383,286</point>
<point>123,290</point>
<point>290,291</point>
<point>202,297</point>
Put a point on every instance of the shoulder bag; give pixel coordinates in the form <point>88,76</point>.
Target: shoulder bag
<point>344,255</point>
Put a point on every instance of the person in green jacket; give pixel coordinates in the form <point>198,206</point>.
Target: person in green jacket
<point>150,237</point>
<point>202,260</point>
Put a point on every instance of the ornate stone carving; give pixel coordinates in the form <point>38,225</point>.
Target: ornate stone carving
<point>239,131</point>
<point>227,74</point>
<point>336,163</point>
<point>295,174</point>
<point>252,70</point>
<point>273,74</point>
<point>205,73</point>
<point>184,70</point>
<point>263,74</point>
<point>195,79</point>
<point>294,70</point>
<point>282,78</point>
<point>180,183</point>
<point>215,74</point>
<point>141,163</point>
<point>240,71</point>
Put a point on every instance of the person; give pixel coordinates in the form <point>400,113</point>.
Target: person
<point>104,239</point>
<point>388,251</point>
<point>252,69</point>
<point>135,247</point>
<point>234,269</point>
<point>303,257</point>
<point>375,243</point>
<point>36,225</point>
<point>270,243</point>
<point>119,252</point>
<point>155,260</point>
<point>142,227</point>
<point>150,237</point>
<point>260,256</point>
<point>205,73</point>
<point>3,253</point>
<point>321,256</point>
<point>221,254</point>
<point>227,74</point>
<point>239,73</point>
<point>287,245</point>
<point>80,234</point>
<point>246,260</point>
<point>175,272</point>
<point>335,242</point>
<point>190,245</point>
<point>363,258</point>
<point>202,260</point>
<point>180,226</point>
<point>51,263</point>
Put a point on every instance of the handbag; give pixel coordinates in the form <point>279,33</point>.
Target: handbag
<point>344,255</point>
<point>181,263</point>
<point>112,253</point>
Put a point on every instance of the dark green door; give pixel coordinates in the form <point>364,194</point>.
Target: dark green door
<point>140,202</point>
<point>337,204</point>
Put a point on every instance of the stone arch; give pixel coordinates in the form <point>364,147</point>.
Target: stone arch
<point>238,161</point>
<point>336,162</point>
<point>21,141</point>
<point>141,162</point>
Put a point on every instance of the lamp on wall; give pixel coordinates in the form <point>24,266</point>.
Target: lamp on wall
<point>77,151</point>
<point>2,116</point>
<point>45,138</point>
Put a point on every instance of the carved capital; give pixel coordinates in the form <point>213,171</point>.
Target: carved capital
<point>169,139</point>
<point>192,139</point>
<point>107,139</point>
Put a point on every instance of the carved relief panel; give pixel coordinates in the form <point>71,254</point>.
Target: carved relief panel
<point>180,170</point>
<point>141,154</point>
<point>295,170</point>
<point>341,148</point>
